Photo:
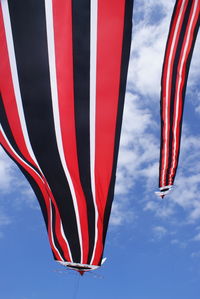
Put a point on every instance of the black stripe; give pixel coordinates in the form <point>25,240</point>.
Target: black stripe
<point>123,78</point>
<point>54,232</point>
<point>30,41</point>
<point>81,52</point>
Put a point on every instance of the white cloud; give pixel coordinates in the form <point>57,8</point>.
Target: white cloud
<point>195,66</point>
<point>4,221</point>
<point>25,198</point>
<point>159,232</point>
<point>197,237</point>
<point>195,254</point>
<point>161,209</point>
<point>121,214</point>
<point>185,194</point>
<point>179,243</point>
<point>138,145</point>
<point>138,148</point>
<point>174,241</point>
<point>12,181</point>
<point>6,172</point>
<point>148,46</point>
<point>197,97</point>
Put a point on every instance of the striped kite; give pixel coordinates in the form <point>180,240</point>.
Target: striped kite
<point>180,44</point>
<point>63,71</point>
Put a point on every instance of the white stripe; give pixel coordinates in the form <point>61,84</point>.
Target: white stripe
<point>54,92</point>
<point>64,237</point>
<point>166,136</point>
<point>183,60</point>
<point>15,80</point>
<point>51,232</point>
<point>93,66</point>
<point>73,265</point>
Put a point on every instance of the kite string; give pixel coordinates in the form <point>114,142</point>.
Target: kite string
<point>76,289</point>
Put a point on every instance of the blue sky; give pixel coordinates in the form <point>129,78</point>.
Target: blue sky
<point>153,245</point>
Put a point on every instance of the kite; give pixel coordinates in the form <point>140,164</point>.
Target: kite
<point>63,75</point>
<point>179,49</point>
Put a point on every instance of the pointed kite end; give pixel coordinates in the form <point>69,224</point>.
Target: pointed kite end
<point>164,191</point>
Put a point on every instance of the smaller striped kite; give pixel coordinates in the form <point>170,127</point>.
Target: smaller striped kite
<point>179,49</point>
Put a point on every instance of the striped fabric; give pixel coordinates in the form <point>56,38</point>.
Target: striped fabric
<point>182,35</point>
<point>63,69</point>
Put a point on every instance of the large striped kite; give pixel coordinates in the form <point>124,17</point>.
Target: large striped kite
<point>181,40</point>
<point>63,70</point>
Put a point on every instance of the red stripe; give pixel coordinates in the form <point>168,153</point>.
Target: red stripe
<point>59,236</point>
<point>62,14</point>
<point>109,52</point>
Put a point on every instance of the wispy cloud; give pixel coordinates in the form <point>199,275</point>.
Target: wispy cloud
<point>162,209</point>
<point>148,45</point>
<point>121,213</point>
<point>159,232</point>
<point>12,181</point>
<point>180,244</point>
<point>6,172</point>
<point>195,254</point>
<point>138,145</point>
<point>197,237</point>
<point>185,195</point>
<point>4,221</point>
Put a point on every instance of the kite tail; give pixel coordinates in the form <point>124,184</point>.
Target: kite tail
<point>179,48</point>
<point>164,191</point>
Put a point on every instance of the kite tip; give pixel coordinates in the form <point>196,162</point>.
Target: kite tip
<point>164,191</point>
